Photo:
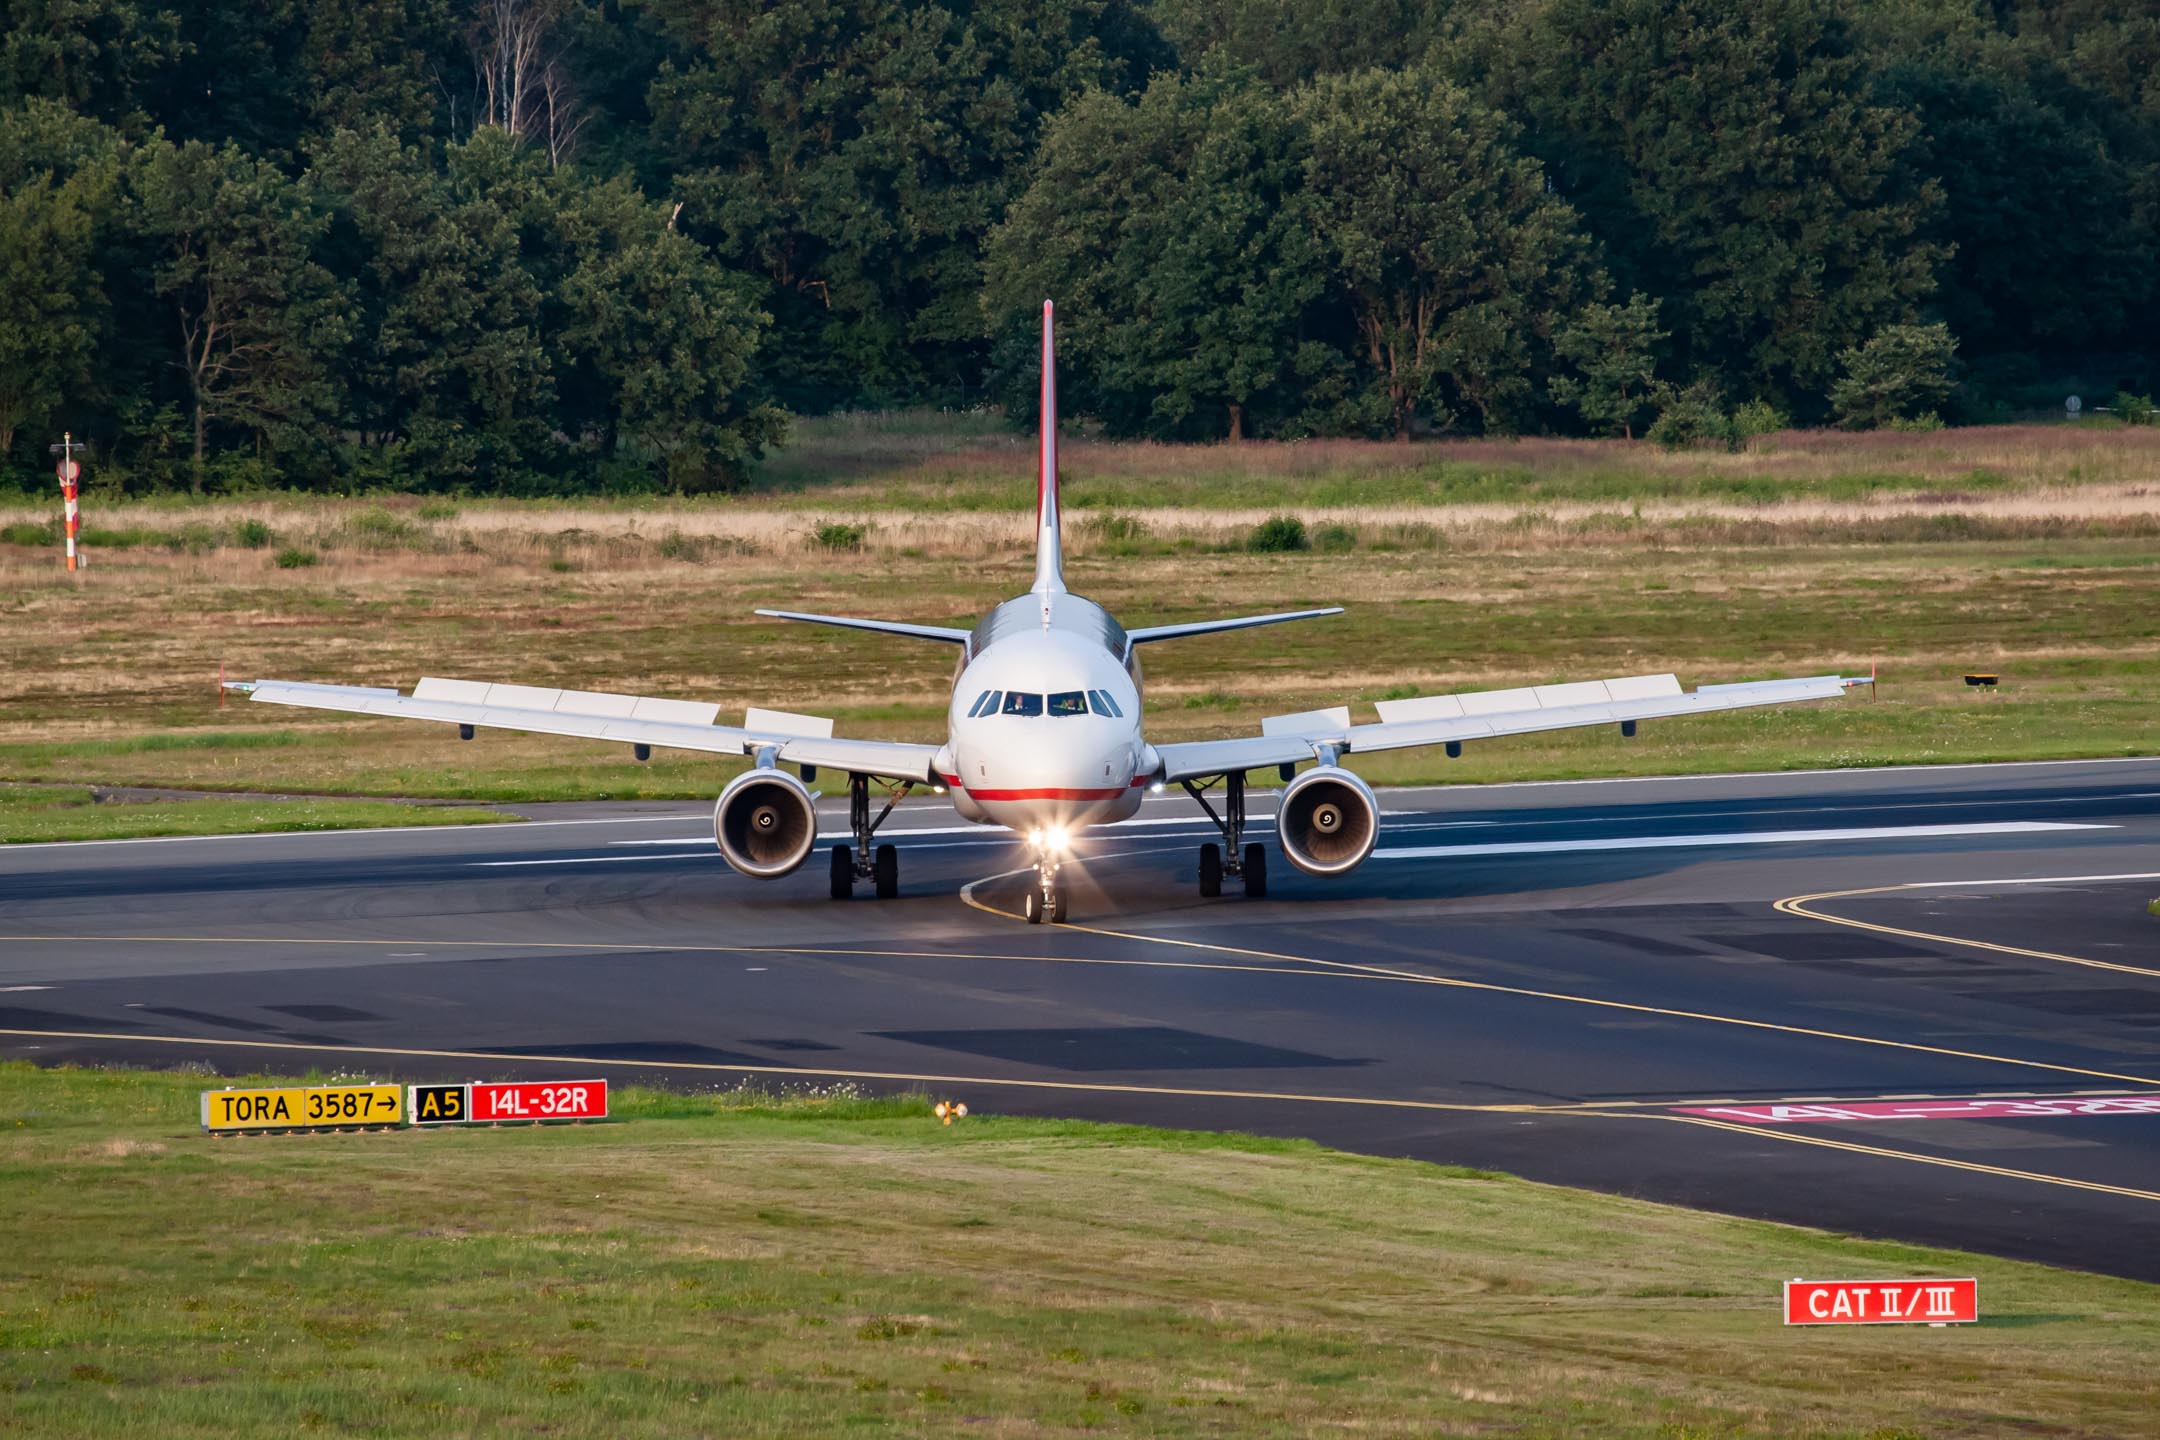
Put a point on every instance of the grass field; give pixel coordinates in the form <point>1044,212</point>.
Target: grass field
<point>76,812</point>
<point>745,1265</point>
<point>2042,563</point>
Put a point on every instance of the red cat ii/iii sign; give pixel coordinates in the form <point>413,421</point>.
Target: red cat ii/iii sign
<point>1882,1302</point>
<point>539,1100</point>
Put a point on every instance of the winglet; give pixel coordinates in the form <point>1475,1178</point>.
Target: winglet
<point>1049,564</point>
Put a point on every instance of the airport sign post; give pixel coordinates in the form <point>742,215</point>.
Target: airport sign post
<point>312,1107</point>
<point>527,1101</point>
<point>1882,1302</point>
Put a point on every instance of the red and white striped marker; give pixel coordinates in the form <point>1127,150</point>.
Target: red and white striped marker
<point>70,473</point>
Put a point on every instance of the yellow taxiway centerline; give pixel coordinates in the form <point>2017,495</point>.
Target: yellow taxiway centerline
<point>1798,905</point>
<point>1488,987</point>
<point>1882,1152</point>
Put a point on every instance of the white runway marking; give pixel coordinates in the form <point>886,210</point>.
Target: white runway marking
<point>1706,842</point>
<point>2028,880</point>
<point>18,989</point>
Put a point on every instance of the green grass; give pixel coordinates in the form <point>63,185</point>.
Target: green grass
<point>31,813</point>
<point>746,1264</point>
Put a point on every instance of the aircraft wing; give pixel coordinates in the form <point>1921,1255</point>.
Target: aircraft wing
<point>1483,715</point>
<point>598,715</point>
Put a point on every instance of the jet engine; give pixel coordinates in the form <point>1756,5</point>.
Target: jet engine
<point>766,823</point>
<point>1327,821</point>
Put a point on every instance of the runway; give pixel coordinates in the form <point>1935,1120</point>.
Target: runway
<point>1921,1003</point>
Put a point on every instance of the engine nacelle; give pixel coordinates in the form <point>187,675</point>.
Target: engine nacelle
<point>1327,821</point>
<point>766,823</point>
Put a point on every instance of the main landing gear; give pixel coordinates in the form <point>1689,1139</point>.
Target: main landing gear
<point>882,865</point>
<point>1248,862</point>
<point>1046,897</point>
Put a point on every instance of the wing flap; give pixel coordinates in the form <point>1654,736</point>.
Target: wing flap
<point>1540,697</point>
<point>1485,715</point>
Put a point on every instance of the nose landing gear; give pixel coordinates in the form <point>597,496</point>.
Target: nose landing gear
<point>880,866</point>
<point>1046,897</point>
<point>1246,861</point>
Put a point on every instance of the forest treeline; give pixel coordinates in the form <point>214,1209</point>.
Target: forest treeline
<point>569,245</point>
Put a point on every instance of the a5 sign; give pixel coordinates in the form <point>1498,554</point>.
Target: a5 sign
<point>1882,1302</point>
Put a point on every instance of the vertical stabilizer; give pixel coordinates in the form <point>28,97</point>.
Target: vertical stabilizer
<point>1049,564</point>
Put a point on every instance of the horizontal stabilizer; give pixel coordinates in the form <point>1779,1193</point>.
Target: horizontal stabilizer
<point>889,627</point>
<point>1208,627</point>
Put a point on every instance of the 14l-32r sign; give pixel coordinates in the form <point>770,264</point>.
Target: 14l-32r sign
<point>539,1100</point>
<point>1882,1302</point>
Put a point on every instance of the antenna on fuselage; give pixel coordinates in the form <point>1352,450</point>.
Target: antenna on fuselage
<point>1049,564</point>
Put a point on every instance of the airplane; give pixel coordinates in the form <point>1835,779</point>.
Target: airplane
<point>1044,728</point>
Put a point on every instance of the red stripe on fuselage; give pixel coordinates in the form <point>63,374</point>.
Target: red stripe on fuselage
<point>1110,793</point>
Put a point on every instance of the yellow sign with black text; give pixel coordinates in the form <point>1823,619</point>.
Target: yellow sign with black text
<point>314,1107</point>
<point>438,1104</point>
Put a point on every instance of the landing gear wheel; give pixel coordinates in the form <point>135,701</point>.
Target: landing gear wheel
<point>888,872</point>
<point>843,872</point>
<point>1255,871</point>
<point>1057,904</point>
<point>1210,871</point>
<point>1034,906</point>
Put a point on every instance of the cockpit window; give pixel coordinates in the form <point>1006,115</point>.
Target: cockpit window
<point>984,703</point>
<point>1019,702</point>
<point>1069,702</point>
<point>1104,705</point>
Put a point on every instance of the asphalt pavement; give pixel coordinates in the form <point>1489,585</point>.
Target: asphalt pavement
<point>1917,1003</point>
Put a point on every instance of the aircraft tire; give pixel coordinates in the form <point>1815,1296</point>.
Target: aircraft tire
<point>843,872</point>
<point>1256,871</point>
<point>1034,905</point>
<point>1210,871</point>
<point>1057,904</point>
<point>888,872</point>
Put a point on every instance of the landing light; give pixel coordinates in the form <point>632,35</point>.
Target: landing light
<point>1056,837</point>
<point>1156,788</point>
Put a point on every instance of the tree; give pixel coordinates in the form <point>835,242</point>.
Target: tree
<point>57,179</point>
<point>377,64</point>
<point>254,316</point>
<point>1901,373</point>
<point>1289,42</point>
<point>2040,181</point>
<point>1454,254</point>
<point>1173,232</point>
<point>448,380</point>
<point>97,57</point>
<point>1613,349</point>
<point>855,153</point>
<point>524,87</point>
<point>658,339</point>
<point>1733,165</point>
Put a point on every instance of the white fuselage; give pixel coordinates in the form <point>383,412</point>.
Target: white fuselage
<point>1045,719</point>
